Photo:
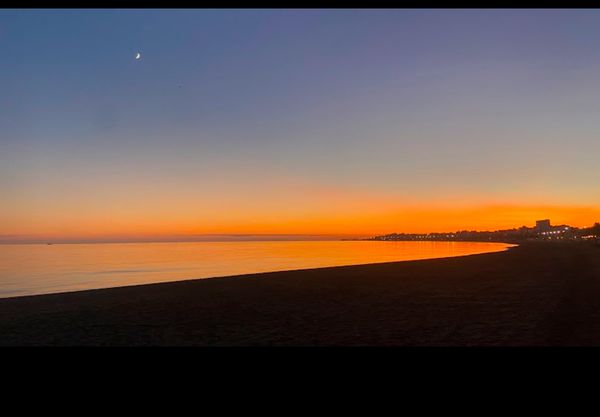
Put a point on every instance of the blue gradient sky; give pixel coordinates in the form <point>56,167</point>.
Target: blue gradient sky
<point>296,121</point>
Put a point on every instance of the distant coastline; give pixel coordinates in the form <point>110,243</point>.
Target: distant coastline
<point>543,231</point>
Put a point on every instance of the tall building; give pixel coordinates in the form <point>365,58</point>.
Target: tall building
<point>543,225</point>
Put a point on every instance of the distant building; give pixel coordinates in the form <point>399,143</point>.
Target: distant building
<point>543,225</point>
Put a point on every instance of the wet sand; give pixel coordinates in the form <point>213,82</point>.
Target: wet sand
<point>531,295</point>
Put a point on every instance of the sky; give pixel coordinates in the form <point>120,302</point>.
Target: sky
<point>296,121</point>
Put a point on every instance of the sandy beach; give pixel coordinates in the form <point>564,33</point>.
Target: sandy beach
<point>535,294</point>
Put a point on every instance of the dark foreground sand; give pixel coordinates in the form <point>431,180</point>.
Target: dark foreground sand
<point>536,294</point>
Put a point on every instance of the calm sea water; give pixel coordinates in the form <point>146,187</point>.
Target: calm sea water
<point>42,269</point>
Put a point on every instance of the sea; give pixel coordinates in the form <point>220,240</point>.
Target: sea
<point>33,269</point>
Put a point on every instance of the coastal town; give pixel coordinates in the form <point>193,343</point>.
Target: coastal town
<point>543,230</point>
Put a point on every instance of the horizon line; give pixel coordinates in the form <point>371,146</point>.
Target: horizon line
<point>208,237</point>
<point>215,237</point>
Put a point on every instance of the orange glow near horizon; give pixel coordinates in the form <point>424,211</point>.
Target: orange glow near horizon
<point>132,209</point>
<point>360,219</point>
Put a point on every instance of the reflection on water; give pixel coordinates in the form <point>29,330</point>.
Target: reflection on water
<point>39,269</point>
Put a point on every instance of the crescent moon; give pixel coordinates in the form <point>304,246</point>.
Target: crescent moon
<point>138,56</point>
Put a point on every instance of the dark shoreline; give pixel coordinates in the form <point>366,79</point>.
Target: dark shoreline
<point>533,294</point>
